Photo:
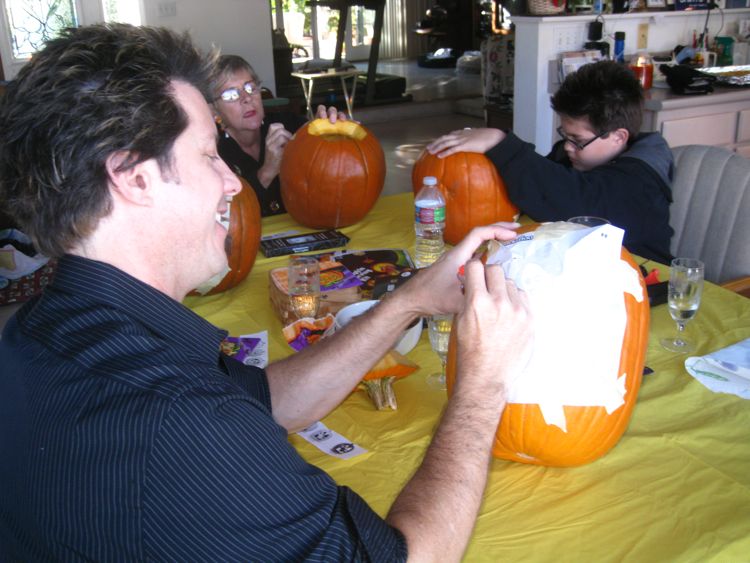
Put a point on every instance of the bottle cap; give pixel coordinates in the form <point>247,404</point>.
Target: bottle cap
<point>619,35</point>
<point>429,181</point>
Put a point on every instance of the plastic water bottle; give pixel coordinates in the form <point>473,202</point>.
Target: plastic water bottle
<point>429,222</point>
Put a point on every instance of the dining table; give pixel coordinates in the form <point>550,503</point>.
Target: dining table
<point>676,487</point>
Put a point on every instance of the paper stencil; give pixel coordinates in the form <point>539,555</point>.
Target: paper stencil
<point>575,279</point>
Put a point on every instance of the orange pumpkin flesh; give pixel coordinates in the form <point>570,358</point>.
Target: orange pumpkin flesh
<point>243,238</point>
<point>474,192</point>
<point>392,364</point>
<point>524,436</point>
<point>331,174</point>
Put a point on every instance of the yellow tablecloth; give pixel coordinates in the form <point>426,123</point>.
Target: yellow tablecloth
<point>675,488</point>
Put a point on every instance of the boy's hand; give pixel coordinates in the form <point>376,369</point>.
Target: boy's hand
<point>466,140</point>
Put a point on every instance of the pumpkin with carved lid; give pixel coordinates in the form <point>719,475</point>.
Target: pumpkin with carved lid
<point>331,173</point>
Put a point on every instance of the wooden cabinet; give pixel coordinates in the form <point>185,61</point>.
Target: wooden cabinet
<point>721,118</point>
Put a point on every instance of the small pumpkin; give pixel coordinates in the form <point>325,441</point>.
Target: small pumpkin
<point>243,240</point>
<point>474,192</point>
<point>331,173</point>
<point>524,436</point>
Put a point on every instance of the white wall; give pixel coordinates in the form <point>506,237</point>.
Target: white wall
<point>239,27</point>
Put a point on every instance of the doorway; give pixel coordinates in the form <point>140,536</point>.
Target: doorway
<point>311,30</point>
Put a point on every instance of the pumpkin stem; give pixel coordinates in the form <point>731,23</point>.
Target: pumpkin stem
<point>375,393</point>
<point>386,385</point>
<point>381,392</point>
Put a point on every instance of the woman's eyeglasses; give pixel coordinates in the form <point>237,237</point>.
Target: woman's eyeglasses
<point>233,94</point>
<point>577,144</point>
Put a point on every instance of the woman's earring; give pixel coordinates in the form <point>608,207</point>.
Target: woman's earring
<point>220,123</point>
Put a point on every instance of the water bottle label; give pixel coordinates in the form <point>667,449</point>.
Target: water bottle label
<point>430,215</point>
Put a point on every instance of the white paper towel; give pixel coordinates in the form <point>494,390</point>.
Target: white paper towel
<point>724,371</point>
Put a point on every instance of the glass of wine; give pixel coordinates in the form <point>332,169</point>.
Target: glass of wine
<point>439,330</point>
<point>304,285</point>
<point>588,221</point>
<point>683,298</point>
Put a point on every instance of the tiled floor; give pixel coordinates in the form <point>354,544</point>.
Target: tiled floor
<point>404,129</point>
<point>404,140</point>
<point>429,84</point>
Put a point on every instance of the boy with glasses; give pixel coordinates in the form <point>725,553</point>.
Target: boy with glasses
<point>602,165</point>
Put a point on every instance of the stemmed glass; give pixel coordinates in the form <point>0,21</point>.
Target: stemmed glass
<point>439,330</point>
<point>304,285</point>
<point>588,221</point>
<point>683,298</point>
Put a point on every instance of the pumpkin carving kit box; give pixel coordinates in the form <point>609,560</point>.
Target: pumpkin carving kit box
<point>346,276</point>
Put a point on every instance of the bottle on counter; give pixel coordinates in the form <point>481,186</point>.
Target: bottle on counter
<point>429,223</point>
<point>643,66</point>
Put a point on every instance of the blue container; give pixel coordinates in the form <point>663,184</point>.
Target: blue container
<point>619,52</point>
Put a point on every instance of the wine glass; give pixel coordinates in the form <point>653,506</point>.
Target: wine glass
<point>683,298</point>
<point>304,285</point>
<point>588,221</point>
<point>439,330</point>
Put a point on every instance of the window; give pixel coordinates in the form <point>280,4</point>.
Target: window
<point>123,11</point>
<point>26,24</point>
<point>33,22</point>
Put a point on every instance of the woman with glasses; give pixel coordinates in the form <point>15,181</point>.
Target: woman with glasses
<point>601,166</point>
<point>252,143</point>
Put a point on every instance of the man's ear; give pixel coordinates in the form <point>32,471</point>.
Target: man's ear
<point>132,183</point>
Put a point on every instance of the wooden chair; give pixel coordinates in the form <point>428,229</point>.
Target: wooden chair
<point>711,213</point>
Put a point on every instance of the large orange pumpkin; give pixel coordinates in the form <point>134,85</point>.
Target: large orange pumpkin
<point>331,174</point>
<point>524,436</point>
<point>243,238</point>
<point>474,192</point>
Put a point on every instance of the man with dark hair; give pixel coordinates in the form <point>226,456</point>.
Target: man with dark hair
<point>601,167</point>
<point>125,435</point>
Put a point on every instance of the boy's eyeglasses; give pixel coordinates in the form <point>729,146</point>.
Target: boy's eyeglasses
<point>578,145</point>
<point>233,94</point>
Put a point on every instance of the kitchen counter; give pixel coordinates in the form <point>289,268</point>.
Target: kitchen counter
<point>720,118</point>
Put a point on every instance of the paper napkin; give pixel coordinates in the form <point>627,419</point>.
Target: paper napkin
<point>724,371</point>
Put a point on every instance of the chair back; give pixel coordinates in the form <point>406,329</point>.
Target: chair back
<point>710,214</point>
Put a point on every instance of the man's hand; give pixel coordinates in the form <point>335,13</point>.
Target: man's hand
<point>466,140</point>
<point>493,329</point>
<point>494,340</point>
<point>437,289</point>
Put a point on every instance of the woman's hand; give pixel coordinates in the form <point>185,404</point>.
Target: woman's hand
<point>466,140</point>
<point>276,141</point>
<point>331,114</point>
